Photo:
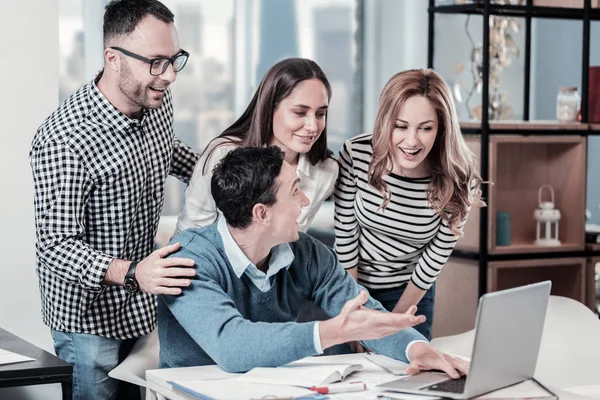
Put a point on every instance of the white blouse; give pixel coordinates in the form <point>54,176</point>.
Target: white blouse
<point>316,181</point>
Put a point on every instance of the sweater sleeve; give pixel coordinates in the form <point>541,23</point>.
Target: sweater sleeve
<point>211,319</point>
<point>438,251</point>
<point>436,254</point>
<point>345,222</point>
<point>333,287</point>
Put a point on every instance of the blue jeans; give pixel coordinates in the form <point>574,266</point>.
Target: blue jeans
<point>389,297</point>
<point>93,357</point>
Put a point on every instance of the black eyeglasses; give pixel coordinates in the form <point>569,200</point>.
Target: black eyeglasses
<point>158,66</point>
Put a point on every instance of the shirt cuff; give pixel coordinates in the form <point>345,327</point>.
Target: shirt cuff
<point>317,339</point>
<point>410,344</point>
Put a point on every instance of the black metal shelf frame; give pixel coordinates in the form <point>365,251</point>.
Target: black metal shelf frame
<point>527,11</point>
<point>533,132</point>
<point>475,255</point>
<point>524,11</point>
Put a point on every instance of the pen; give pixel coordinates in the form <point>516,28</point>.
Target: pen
<point>340,388</point>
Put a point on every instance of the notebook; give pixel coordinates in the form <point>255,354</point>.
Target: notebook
<point>300,374</point>
<point>390,365</point>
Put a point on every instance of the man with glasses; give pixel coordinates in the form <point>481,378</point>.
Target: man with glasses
<point>99,164</point>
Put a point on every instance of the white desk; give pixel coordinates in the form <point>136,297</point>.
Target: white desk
<point>569,357</point>
<point>371,374</point>
<point>157,380</point>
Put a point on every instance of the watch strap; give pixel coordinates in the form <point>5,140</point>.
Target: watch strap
<point>131,271</point>
<point>131,284</point>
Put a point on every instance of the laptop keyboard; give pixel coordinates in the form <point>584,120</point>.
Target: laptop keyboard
<point>450,386</point>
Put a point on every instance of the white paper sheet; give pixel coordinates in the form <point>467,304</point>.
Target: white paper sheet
<point>8,357</point>
<point>232,389</point>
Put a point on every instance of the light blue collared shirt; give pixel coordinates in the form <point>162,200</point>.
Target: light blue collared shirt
<point>281,257</point>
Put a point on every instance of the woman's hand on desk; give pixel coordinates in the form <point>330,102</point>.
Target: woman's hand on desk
<point>425,357</point>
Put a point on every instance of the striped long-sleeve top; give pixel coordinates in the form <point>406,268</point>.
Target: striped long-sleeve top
<point>405,241</point>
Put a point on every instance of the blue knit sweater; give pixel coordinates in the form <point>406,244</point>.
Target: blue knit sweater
<point>227,320</point>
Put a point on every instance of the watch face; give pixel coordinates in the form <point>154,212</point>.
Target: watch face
<point>131,285</point>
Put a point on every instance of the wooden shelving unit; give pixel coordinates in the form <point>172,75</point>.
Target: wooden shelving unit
<point>516,158</point>
<point>518,166</point>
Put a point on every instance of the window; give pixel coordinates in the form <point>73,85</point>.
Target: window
<point>262,32</point>
<point>231,43</point>
<point>324,31</point>
<point>70,47</point>
<point>203,95</point>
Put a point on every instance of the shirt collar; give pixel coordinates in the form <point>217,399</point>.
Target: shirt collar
<point>304,165</point>
<point>109,113</point>
<point>281,255</point>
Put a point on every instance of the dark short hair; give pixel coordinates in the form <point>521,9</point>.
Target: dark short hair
<point>122,16</point>
<point>246,176</point>
<point>255,126</point>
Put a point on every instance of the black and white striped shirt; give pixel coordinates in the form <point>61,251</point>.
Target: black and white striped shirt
<point>99,188</point>
<point>405,241</point>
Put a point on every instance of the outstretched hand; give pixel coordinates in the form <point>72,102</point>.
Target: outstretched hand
<point>362,323</point>
<point>159,275</point>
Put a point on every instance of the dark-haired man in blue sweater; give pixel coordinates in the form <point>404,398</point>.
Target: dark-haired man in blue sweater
<point>254,270</point>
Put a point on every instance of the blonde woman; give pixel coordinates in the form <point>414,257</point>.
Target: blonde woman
<point>404,193</point>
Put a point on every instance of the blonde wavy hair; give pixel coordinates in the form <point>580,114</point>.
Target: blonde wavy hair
<point>455,182</point>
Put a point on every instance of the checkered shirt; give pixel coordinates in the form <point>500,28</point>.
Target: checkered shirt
<point>99,190</point>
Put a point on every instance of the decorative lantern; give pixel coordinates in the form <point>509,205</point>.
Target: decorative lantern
<point>547,218</point>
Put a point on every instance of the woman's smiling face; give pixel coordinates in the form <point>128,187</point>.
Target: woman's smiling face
<point>300,119</point>
<point>413,137</point>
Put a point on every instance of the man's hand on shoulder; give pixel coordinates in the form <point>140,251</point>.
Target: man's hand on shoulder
<point>425,357</point>
<point>159,275</point>
<point>357,322</point>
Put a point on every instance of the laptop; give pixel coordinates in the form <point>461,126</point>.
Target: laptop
<point>508,334</point>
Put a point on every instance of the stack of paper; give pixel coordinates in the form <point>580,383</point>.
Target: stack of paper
<point>7,357</point>
<point>300,374</point>
<point>289,381</point>
<point>388,364</point>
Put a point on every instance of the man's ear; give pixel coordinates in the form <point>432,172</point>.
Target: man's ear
<point>261,214</point>
<point>111,59</point>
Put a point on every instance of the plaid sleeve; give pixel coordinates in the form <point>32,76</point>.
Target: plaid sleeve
<point>61,187</point>
<point>183,162</point>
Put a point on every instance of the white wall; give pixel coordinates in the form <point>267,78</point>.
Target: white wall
<point>29,71</point>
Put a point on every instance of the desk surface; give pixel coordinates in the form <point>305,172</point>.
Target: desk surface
<point>157,380</point>
<point>45,367</point>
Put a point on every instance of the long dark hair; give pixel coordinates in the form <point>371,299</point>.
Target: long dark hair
<point>255,127</point>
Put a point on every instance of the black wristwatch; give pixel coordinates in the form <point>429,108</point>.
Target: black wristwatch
<point>130,283</point>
